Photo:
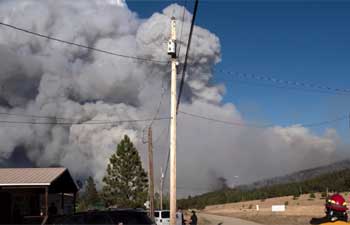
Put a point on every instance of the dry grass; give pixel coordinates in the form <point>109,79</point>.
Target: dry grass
<point>298,211</point>
<point>203,221</point>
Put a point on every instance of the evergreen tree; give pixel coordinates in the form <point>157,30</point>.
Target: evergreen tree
<point>91,194</point>
<point>126,184</point>
<point>81,203</point>
<point>90,197</point>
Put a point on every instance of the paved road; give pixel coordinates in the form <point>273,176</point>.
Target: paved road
<point>215,220</point>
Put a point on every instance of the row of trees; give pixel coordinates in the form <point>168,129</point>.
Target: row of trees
<point>336,181</point>
<point>125,184</point>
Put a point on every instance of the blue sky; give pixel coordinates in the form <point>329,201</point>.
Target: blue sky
<point>293,40</point>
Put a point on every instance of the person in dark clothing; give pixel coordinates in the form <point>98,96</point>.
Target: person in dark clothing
<point>316,221</point>
<point>52,209</point>
<point>194,218</point>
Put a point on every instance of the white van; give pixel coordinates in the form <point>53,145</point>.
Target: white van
<point>162,217</point>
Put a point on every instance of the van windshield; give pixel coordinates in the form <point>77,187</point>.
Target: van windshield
<point>165,214</point>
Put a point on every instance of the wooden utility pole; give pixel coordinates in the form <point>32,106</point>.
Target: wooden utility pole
<point>172,53</point>
<point>150,174</point>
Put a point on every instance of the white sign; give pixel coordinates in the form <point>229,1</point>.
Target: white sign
<point>147,205</point>
<point>278,208</point>
<point>257,208</point>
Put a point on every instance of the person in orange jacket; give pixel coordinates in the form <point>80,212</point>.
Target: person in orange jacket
<point>336,211</point>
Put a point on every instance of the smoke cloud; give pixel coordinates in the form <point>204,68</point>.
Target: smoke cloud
<point>42,77</point>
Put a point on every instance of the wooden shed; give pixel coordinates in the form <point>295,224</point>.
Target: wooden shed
<point>28,193</point>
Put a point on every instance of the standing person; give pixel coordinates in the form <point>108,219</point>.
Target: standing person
<point>335,212</point>
<point>180,217</point>
<point>194,218</point>
<point>183,219</point>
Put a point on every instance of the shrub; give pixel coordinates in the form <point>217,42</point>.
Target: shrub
<point>296,196</point>
<point>312,195</point>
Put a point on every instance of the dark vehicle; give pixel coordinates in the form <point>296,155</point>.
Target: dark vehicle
<point>115,217</point>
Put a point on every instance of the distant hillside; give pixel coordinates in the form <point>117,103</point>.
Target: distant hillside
<point>334,177</point>
<point>301,175</point>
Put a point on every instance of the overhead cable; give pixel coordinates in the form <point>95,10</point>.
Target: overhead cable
<point>182,82</point>
<point>82,46</point>
<point>248,125</point>
<point>280,83</point>
<point>79,123</point>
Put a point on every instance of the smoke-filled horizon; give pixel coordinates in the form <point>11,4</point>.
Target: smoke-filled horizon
<point>43,77</point>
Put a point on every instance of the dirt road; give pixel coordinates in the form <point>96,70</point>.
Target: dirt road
<point>215,220</point>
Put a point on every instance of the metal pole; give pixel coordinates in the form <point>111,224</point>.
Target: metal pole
<point>150,173</point>
<point>172,52</point>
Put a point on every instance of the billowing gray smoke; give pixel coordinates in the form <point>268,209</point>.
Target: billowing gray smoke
<point>42,77</point>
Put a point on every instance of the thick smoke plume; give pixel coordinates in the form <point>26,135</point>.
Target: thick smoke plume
<point>42,77</point>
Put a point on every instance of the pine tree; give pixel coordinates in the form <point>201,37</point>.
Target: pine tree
<point>91,194</point>
<point>90,197</point>
<point>126,184</point>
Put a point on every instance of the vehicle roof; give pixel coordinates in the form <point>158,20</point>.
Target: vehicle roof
<point>112,210</point>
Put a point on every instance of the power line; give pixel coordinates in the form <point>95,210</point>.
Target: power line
<point>81,123</point>
<point>160,103</point>
<point>186,56</point>
<point>166,166</point>
<point>316,124</point>
<point>64,118</point>
<point>340,118</point>
<point>288,83</point>
<point>183,21</point>
<point>44,117</point>
<point>161,134</point>
<point>245,82</point>
<point>167,162</point>
<point>156,113</point>
<point>80,45</point>
<point>238,124</point>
